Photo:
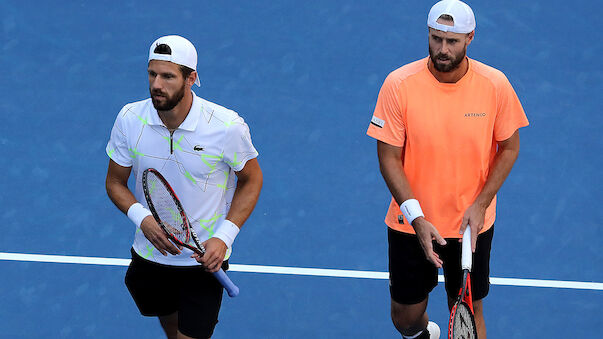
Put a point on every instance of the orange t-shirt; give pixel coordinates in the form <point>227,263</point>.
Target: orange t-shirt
<point>449,134</point>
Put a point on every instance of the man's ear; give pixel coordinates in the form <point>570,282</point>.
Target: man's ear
<point>191,78</point>
<point>470,37</point>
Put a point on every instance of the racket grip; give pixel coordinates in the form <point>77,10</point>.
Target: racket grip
<point>230,287</point>
<point>466,254</point>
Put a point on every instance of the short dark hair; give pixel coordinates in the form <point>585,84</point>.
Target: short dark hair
<point>186,71</point>
<point>165,49</point>
<point>446,17</point>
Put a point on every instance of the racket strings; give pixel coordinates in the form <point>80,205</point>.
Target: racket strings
<point>463,323</point>
<point>167,210</point>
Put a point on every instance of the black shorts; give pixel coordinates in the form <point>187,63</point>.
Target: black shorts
<point>412,276</point>
<point>160,290</point>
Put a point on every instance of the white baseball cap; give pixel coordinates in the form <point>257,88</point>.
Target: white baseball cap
<point>461,13</point>
<point>182,52</point>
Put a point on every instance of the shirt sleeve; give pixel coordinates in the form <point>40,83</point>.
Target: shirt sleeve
<point>510,115</point>
<point>238,148</point>
<point>387,123</point>
<point>117,147</point>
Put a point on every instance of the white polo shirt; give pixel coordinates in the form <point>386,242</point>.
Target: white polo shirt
<point>197,159</point>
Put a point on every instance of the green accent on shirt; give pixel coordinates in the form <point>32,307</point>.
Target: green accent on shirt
<point>175,143</point>
<point>149,253</point>
<point>210,224</point>
<point>135,153</point>
<point>234,162</point>
<point>176,216</point>
<point>153,186</point>
<point>223,186</point>
<point>204,158</point>
<point>190,177</point>
<point>143,120</point>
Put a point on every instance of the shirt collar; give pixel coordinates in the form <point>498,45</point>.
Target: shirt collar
<point>189,123</point>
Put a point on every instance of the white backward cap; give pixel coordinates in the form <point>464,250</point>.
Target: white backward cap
<point>461,13</point>
<point>182,52</point>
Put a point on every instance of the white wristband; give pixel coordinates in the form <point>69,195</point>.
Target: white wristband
<point>411,210</point>
<point>227,232</point>
<point>137,213</point>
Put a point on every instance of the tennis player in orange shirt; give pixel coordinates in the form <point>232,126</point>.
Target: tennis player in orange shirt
<point>447,137</point>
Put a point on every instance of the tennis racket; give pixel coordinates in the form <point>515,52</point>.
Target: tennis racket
<point>462,321</point>
<point>169,214</point>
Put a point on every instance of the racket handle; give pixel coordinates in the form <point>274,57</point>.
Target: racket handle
<point>230,287</point>
<point>466,254</point>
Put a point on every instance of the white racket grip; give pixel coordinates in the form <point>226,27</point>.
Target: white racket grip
<point>230,287</point>
<point>466,255</point>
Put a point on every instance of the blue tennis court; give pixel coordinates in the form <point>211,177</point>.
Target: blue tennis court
<point>305,76</point>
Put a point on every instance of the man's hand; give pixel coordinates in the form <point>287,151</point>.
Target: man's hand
<point>153,232</point>
<point>474,216</point>
<point>215,250</point>
<point>426,233</point>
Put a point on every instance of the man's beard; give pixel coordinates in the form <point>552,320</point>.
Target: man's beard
<point>170,102</point>
<point>455,60</point>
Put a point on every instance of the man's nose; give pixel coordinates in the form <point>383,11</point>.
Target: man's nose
<point>155,82</point>
<point>445,48</point>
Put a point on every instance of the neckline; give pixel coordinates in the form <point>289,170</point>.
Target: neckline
<point>450,85</point>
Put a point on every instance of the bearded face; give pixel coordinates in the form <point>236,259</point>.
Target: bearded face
<point>447,50</point>
<point>163,101</point>
<point>446,62</point>
<point>166,84</point>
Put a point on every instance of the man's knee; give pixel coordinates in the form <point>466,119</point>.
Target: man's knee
<point>169,323</point>
<point>478,308</point>
<point>409,318</point>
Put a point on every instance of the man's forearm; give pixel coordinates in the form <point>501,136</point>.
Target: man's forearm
<point>245,197</point>
<point>120,195</point>
<point>503,163</point>
<point>116,185</point>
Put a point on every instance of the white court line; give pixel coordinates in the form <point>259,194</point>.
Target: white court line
<point>321,272</point>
